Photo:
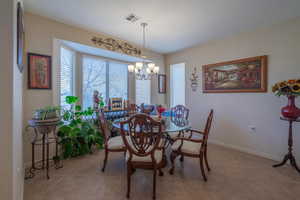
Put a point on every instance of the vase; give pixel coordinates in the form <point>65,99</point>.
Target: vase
<point>291,111</point>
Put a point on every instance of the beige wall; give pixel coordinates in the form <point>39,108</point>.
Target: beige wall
<point>11,158</point>
<point>40,33</point>
<point>235,112</point>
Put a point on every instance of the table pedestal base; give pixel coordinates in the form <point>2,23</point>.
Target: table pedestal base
<point>289,155</point>
<point>292,159</point>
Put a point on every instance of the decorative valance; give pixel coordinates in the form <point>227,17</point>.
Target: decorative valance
<point>114,45</point>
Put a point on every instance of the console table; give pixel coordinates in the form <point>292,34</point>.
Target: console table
<point>289,155</point>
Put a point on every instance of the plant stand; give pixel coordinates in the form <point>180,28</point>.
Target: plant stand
<point>43,138</point>
<point>289,155</point>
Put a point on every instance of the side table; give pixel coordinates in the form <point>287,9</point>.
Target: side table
<point>289,155</point>
<point>42,130</point>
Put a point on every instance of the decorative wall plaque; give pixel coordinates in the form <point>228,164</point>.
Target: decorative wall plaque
<point>114,45</point>
<point>194,79</point>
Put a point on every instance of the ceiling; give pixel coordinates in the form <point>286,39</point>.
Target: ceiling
<point>173,24</point>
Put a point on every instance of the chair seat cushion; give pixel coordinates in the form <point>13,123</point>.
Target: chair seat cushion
<point>115,143</point>
<point>158,155</point>
<point>187,147</point>
<point>173,135</point>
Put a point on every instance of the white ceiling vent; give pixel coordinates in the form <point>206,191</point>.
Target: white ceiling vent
<point>132,18</point>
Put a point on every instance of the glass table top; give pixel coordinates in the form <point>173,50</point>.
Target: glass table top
<point>169,124</point>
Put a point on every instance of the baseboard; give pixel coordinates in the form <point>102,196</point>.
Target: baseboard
<point>246,150</point>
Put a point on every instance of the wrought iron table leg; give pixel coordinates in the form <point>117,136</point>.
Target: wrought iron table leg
<point>47,161</point>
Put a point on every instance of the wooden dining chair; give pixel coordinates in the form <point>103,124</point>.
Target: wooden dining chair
<point>147,109</point>
<point>193,147</point>
<point>144,149</point>
<point>132,109</point>
<point>111,144</point>
<point>179,112</point>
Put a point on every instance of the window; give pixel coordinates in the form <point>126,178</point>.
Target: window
<point>142,91</point>
<point>94,78</point>
<point>177,83</point>
<point>118,80</point>
<point>108,77</point>
<point>67,62</point>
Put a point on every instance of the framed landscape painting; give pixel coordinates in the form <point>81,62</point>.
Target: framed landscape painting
<point>243,75</point>
<point>39,71</point>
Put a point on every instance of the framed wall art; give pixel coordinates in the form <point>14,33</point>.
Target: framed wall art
<point>243,75</point>
<point>162,83</point>
<point>39,71</point>
<point>20,36</point>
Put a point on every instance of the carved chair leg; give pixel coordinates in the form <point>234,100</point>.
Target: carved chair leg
<point>154,183</point>
<point>105,160</point>
<point>172,158</point>
<point>202,167</point>
<point>205,157</point>
<point>182,158</point>
<point>160,172</point>
<point>129,173</point>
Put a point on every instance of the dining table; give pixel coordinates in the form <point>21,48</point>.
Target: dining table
<point>169,124</point>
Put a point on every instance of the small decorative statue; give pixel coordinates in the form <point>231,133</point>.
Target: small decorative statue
<point>194,80</point>
<point>98,100</point>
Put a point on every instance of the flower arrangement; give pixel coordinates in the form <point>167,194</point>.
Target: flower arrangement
<point>287,88</point>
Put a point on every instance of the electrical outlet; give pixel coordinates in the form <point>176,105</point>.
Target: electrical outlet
<point>252,129</point>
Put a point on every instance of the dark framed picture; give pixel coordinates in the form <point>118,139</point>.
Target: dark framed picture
<point>39,71</point>
<point>20,36</point>
<point>162,83</point>
<point>243,75</point>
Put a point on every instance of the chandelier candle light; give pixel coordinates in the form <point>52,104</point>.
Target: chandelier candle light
<point>144,70</point>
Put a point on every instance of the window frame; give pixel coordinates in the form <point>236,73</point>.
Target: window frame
<point>107,61</point>
<point>74,73</point>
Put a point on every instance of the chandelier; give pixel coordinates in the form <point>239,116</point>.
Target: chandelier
<point>143,70</point>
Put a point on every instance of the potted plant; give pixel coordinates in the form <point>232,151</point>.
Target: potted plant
<point>78,133</point>
<point>49,112</point>
<point>290,89</point>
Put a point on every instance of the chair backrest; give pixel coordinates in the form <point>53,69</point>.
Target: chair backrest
<point>208,126</point>
<point>147,109</point>
<point>141,135</point>
<point>103,124</point>
<point>132,109</point>
<point>180,111</point>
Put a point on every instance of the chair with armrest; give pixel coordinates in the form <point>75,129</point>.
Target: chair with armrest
<point>132,109</point>
<point>144,149</point>
<point>193,147</point>
<point>179,112</point>
<point>111,144</point>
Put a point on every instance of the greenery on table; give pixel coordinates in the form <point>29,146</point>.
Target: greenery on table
<point>78,133</point>
<point>48,112</point>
